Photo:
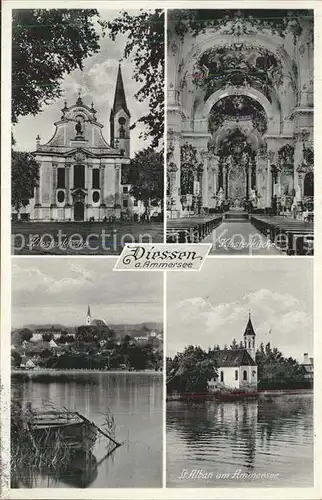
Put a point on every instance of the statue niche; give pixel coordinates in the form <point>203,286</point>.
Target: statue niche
<point>79,127</point>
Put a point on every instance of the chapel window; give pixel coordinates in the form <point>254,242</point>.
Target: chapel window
<point>236,374</point>
<point>221,376</point>
<point>245,375</point>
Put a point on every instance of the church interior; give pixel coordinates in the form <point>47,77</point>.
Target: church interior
<point>240,114</point>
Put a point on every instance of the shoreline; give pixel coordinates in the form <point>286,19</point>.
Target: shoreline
<point>49,371</point>
<point>252,396</point>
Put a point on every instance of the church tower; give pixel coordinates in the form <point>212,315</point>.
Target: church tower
<point>249,338</point>
<point>88,317</point>
<point>120,118</point>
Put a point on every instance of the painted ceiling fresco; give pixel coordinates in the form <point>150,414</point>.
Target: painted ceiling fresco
<point>237,108</point>
<point>238,64</point>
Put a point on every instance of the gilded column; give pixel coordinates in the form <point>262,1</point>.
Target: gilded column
<point>174,163</point>
<point>205,202</point>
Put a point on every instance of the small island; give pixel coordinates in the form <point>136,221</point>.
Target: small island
<point>238,371</point>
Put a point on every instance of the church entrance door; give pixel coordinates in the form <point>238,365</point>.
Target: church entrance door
<point>79,211</point>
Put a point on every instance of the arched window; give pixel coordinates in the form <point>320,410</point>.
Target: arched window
<point>221,376</point>
<point>236,374</point>
<point>249,344</point>
<point>245,375</point>
<point>122,132</point>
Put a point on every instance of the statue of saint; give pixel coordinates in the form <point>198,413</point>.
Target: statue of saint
<point>253,196</point>
<point>220,196</point>
<point>79,126</point>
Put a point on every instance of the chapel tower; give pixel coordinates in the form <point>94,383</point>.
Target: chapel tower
<point>249,338</point>
<point>120,118</point>
<point>88,317</point>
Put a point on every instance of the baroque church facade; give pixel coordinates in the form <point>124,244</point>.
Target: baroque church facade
<point>80,173</point>
<point>240,111</point>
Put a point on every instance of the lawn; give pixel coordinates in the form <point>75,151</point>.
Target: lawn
<point>81,238</point>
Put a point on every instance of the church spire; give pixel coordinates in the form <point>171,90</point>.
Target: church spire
<point>249,338</point>
<point>249,330</point>
<point>119,97</point>
<point>88,316</point>
<point>120,119</point>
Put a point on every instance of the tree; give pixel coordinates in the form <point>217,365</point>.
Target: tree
<point>86,333</point>
<point>26,334</point>
<point>191,370</point>
<point>47,44</point>
<point>125,344</point>
<point>24,179</point>
<point>147,178</point>
<point>47,337</point>
<point>15,359</point>
<point>145,46</point>
<point>234,344</point>
<point>276,370</point>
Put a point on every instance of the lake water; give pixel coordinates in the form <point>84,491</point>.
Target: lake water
<point>135,400</point>
<point>270,440</point>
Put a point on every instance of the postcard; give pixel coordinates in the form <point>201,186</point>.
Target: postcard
<point>160,270</point>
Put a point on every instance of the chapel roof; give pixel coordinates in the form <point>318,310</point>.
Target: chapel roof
<point>233,357</point>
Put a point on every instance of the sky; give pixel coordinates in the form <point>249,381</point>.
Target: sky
<point>212,306</point>
<point>96,83</point>
<point>59,290</point>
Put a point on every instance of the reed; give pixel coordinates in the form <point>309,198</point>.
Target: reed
<point>31,456</point>
<point>38,453</point>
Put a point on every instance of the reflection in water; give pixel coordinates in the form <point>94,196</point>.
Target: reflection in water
<point>79,471</point>
<point>134,400</point>
<point>255,437</point>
